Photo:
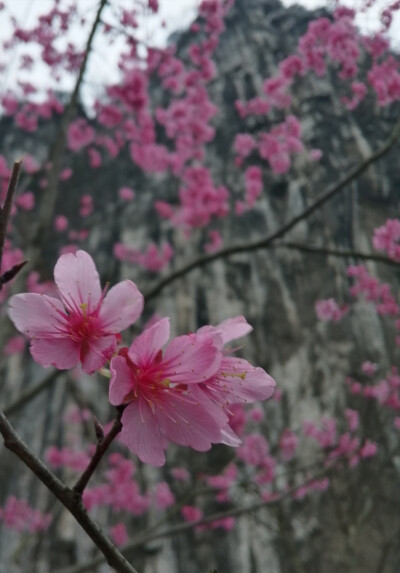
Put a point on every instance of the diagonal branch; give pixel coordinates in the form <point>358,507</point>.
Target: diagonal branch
<point>68,497</point>
<point>266,242</point>
<point>343,253</point>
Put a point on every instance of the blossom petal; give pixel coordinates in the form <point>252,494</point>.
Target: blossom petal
<point>233,328</point>
<point>63,353</point>
<point>187,423</point>
<point>141,434</point>
<point>97,352</point>
<point>229,438</point>
<point>229,329</point>
<point>37,315</point>
<point>121,380</point>
<point>240,382</point>
<point>78,281</point>
<point>121,307</point>
<point>191,359</point>
<point>145,347</point>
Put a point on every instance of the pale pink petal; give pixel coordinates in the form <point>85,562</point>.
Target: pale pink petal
<point>98,352</point>
<point>227,330</point>
<point>37,315</point>
<point>145,347</point>
<point>233,328</point>
<point>63,353</point>
<point>121,380</point>
<point>229,438</point>
<point>185,422</point>
<point>191,359</point>
<point>141,434</point>
<point>78,281</point>
<point>240,382</point>
<point>199,393</point>
<point>121,307</point>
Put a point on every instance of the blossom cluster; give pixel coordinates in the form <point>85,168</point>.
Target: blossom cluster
<point>18,515</point>
<point>179,392</point>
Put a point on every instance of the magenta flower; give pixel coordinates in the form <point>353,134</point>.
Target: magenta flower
<point>155,387</point>
<point>82,325</point>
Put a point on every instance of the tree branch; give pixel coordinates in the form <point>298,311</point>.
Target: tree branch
<point>68,497</point>
<point>344,253</point>
<point>267,241</point>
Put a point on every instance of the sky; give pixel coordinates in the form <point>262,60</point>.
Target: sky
<point>176,14</point>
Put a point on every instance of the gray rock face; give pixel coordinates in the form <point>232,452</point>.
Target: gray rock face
<point>354,526</point>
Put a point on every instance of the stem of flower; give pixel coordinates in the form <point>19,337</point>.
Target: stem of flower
<point>101,448</point>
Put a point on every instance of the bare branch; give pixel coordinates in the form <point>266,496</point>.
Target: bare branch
<point>344,253</point>
<point>267,241</point>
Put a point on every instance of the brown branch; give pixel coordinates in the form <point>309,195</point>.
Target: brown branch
<point>102,446</point>
<point>68,497</point>
<point>347,254</point>
<point>267,241</point>
<point>31,393</point>
<point>6,209</point>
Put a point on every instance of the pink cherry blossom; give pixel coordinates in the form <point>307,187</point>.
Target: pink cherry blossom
<point>191,513</point>
<point>82,325</point>
<point>126,193</point>
<point>156,388</point>
<point>119,534</point>
<point>61,223</point>
<point>329,309</point>
<point>163,496</point>
<point>236,381</point>
<point>18,515</point>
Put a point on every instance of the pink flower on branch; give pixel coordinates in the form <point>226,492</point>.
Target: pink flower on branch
<point>236,381</point>
<point>155,386</point>
<point>82,325</point>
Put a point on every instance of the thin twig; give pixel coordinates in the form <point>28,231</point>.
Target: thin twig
<point>344,253</point>
<point>101,448</point>
<point>68,497</point>
<point>6,209</point>
<point>267,241</point>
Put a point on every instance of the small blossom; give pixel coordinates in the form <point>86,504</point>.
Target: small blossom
<point>81,325</point>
